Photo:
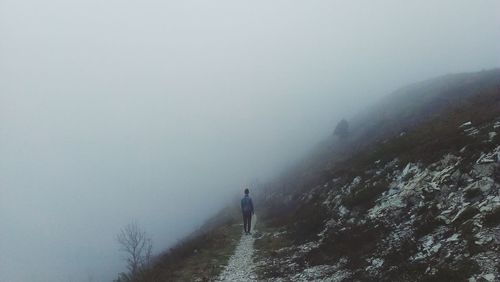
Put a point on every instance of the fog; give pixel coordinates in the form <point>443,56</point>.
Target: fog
<point>160,112</point>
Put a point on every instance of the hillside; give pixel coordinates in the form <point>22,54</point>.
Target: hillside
<point>417,201</point>
<point>411,195</point>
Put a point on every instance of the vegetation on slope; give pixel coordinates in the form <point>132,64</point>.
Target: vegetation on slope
<point>199,257</point>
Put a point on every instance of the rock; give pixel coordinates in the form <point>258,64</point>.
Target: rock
<point>406,170</point>
<point>484,168</point>
<point>466,124</point>
<point>471,131</point>
<point>483,240</point>
<point>456,176</point>
<point>485,184</point>
<point>453,238</point>
<point>378,262</point>
<point>356,181</point>
<point>343,211</point>
<point>435,248</point>
<point>489,204</point>
<point>492,135</point>
<point>489,277</point>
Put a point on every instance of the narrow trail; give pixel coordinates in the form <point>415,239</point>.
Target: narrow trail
<point>241,266</point>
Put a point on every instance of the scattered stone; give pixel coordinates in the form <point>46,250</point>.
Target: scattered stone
<point>466,124</point>
<point>453,238</point>
<point>492,135</point>
<point>489,277</point>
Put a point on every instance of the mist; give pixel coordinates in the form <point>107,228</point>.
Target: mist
<point>160,112</point>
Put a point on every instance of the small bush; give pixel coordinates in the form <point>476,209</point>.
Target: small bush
<point>492,218</point>
<point>365,197</point>
<point>472,193</point>
<point>309,221</point>
<point>429,221</point>
<point>467,214</point>
<point>353,242</point>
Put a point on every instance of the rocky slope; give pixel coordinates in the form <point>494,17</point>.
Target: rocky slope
<point>422,204</point>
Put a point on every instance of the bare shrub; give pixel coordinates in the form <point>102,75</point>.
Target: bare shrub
<point>137,246</point>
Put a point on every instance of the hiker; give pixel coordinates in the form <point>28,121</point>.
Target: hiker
<point>247,210</point>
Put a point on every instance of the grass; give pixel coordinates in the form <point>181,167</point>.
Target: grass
<point>202,255</point>
<point>353,241</point>
<point>267,246</point>
<point>209,260</point>
<point>366,195</point>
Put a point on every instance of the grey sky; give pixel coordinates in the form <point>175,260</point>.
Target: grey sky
<point>160,111</point>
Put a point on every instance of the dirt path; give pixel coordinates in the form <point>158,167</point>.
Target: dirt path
<point>240,266</point>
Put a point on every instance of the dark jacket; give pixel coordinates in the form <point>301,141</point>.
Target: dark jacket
<point>247,203</point>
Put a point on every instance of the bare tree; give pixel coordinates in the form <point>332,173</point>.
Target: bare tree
<point>137,246</point>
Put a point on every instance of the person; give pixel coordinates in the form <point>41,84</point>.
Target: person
<point>247,211</point>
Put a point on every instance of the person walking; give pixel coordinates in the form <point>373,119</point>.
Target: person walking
<point>247,211</point>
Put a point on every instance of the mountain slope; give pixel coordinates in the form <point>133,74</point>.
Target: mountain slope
<point>418,200</point>
<point>411,195</point>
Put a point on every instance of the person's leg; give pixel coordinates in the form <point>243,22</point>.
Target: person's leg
<point>248,216</point>
<point>245,223</point>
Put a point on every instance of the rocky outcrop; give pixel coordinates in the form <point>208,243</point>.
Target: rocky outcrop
<point>406,221</point>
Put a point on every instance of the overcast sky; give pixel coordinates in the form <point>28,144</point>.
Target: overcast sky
<point>160,111</point>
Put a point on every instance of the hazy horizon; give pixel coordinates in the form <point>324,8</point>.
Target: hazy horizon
<point>160,112</point>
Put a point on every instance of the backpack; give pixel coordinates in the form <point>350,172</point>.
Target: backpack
<point>246,205</point>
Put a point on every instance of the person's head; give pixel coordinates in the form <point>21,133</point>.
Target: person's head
<point>246,191</point>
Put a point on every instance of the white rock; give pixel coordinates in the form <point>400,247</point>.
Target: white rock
<point>453,238</point>
<point>492,135</point>
<point>489,277</point>
<point>435,248</point>
<point>343,211</point>
<point>465,124</point>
